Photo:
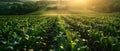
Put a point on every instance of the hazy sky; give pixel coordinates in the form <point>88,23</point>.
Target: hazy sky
<point>38,0</point>
<point>30,0</point>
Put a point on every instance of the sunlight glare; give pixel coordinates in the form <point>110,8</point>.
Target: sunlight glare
<point>77,3</point>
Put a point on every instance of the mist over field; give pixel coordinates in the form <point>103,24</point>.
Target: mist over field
<point>62,6</point>
<point>59,25</point>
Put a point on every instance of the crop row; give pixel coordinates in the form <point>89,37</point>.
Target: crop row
<point>60,33</point>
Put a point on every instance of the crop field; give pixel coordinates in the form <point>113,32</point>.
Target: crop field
<point>60,33</point>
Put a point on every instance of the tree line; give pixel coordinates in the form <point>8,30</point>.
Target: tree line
<point>8,0</point>
<point>105,5</point>
<point>19,8</point>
